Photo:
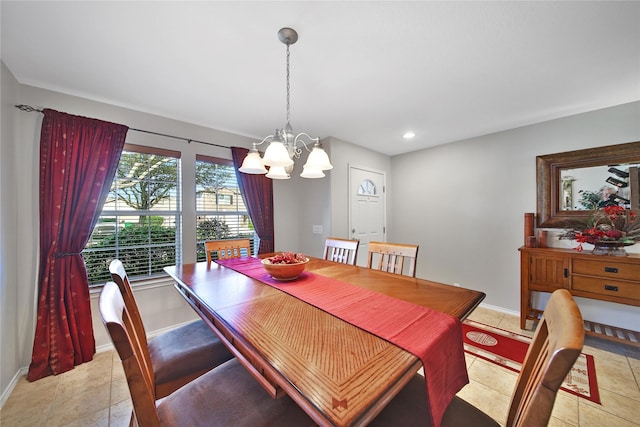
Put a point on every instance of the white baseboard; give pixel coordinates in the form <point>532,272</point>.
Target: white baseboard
<point>167,329</point>
<point>500,309</point>
<point>109,346</point>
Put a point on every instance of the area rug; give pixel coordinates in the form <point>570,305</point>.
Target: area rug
<point>507,349</point>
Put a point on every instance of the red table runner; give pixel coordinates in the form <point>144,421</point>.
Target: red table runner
<point>434,337</point>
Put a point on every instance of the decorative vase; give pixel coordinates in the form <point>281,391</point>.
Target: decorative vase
<point>607,247</point>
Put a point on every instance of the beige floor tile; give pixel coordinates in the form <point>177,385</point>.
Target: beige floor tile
<point>592,416</point>
<point>634,364</point>
<point>565,408</point>
<point>491,375</point>
<point>119,387</point>
<point>512,323</point>
<point>491,402</point>
<point>95,419</point>
<point>42,390</point>
<point>614,374</point>
<point>82,384</point>
<point>554,422</point>
<point>119,391</point>
<point>35,415</point>
<point>71,404</point>
<point>486,316</point>
<point>615,404</point>
<point>120,414</point>
<point>98,371</point>
<point>30,402</point>
<point>117,370</point>
<point>469,359</point>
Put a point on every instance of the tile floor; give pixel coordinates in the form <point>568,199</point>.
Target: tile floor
<point>96,393</point>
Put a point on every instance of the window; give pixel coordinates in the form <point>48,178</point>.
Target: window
<point>220,209</point>
<point>141,220</point>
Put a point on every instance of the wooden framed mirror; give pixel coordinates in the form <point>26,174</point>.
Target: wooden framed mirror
<point>568,183</point>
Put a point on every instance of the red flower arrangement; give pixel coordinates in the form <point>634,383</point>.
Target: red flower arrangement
<point>607,225</point>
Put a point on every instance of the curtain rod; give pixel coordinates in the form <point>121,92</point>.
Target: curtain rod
<point>30,109</point>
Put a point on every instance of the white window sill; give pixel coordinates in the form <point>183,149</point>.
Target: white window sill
<point>151,283</point>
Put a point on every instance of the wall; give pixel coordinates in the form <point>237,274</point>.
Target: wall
<point>161,306</point>
<point>464,203</point>
<point>12,319</point>
<point>302,203</point>
<point>344,154</point>
<point>299,203</point>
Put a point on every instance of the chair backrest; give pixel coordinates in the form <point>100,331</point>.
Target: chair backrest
<point>227,248</point>
<point>393,257</point>
<point>127,343</point>
<point>341,250</point>
<point>119,276</point>
<point>556,345</point>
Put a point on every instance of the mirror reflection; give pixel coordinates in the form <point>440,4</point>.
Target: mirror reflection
<point>568,181</point>
<point>583,189</point>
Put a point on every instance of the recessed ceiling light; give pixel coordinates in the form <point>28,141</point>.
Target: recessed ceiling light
<point>408,135</point>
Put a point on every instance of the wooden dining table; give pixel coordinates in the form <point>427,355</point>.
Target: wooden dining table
<point>340,374</point>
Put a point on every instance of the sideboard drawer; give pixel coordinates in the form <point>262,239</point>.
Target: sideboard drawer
<point>603,286</point>
<point>606,268</point>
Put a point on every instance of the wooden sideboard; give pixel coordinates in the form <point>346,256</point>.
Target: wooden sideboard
<point>605,278</point>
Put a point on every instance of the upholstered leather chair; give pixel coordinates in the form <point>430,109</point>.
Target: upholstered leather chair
<point>555,346</point>
<point>227,248</point>
<point>225,396</point>
<point>393,258</point>
<point>177,356</point>
<point>341,250</point>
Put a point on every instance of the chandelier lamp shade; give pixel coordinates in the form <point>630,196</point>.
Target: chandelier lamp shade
<point>284,144</point>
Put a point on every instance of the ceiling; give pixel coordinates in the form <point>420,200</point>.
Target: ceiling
<point>362,72</point>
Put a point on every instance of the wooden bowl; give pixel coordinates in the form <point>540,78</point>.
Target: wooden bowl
<point>285,272</point>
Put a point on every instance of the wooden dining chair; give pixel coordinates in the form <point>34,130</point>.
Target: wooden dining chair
<point>179,355</point>
<point>555,346</point>
<point>225,396</point>
<point>341,250</point>
<point>393,258</point>
<point>227,248</point>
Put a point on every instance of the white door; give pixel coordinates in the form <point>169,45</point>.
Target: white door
<point>366,208</point>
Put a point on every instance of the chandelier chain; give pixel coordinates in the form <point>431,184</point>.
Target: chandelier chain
<point>288,87</point>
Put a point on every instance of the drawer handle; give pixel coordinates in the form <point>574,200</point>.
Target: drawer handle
<point>610,269</point>
<point>610,288</point>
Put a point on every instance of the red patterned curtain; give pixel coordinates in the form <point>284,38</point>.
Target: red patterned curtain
<point>257,191</point>
<point>78,160</point>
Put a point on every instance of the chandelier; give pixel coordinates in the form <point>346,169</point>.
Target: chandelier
<point>284,145</point>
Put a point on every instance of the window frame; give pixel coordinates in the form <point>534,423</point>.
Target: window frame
<point>239,200</point>
<point>176,213</point>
